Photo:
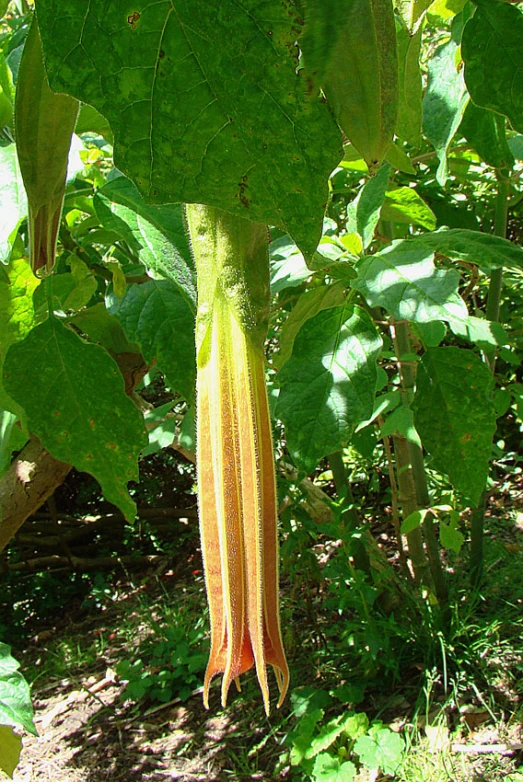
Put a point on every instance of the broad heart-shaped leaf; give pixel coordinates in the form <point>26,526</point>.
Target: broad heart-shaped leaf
<point>327,386</point>
<point>404,281</point>
<point>205,103</point>
<point>156,233</point>
<point>493,57</point>
<point>157,317</point>
<point>485,130</point>
<point>10,749</point>
<point>13,200</point>
<point>328,768</point>
<point>15,696</point>
<point>74,398</point>
<point>381,748</point>
<point>455,417</point>
<point>444,102</point>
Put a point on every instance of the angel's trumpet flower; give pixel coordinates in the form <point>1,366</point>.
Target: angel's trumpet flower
<point>236,481</point>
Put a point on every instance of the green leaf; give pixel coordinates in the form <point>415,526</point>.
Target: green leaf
<point>461,244</point>
<point>157,317</point>
<point>16,315</point>
<point>446,9</point>
<point>356,725</point>
<point>493,57</point>
<point>288,267</point>
<point>515,144</point>
<point>381,749</point>
<point>74,398</point>
<point>15,697</point>
<point>13,200</point>
<point>309,304</point>
<point>328,384</point>
<point>485,131</point>
<point>408,126</point>
<point>301,736</point>
<point>401,421</point>
<point>156,233</point>
<point>455,416</point>
<point>405,205</point>
<point>161,427</point>
<point>361,81</point>
<point>10,749</point>
<point>444,102</point>
<point>450,536</point>
<point>100,326</point>
<point>364,212</point>
<point>413,521</point>
<point>204,107</point>
<point>431,334</point>
<point>331,769</point>
<point>90,120</point>
<point>327,735</point>
<point>399,159</point>
<point>412,10</point>
<point>3,7</point>
<point>484,333</point>
<point>403,279</point>
<point>12,438</point>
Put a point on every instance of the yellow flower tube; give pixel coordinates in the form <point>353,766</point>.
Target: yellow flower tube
<point>236,480</point>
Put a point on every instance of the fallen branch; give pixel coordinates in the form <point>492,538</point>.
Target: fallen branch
<point>82,563</point>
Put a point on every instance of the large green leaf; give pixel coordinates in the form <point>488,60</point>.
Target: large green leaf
<point>74,398</point>
<point>405,205</point>
<point>404,280</point>
<point>462,244</point>
<point>493,57</point>
<point>444,102</point>
<point>13,200</point>
<point>15,696</point>
<point>361,81</point>
<point>157,317</point>
<point>156,233</point>
<point>455,416</point>
<point>486,132</point>
<point>205,105</point>
<point>327,386</point>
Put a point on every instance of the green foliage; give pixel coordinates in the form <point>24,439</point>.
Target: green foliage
<point>455,417</point>
<point>245,139</point>
<point>493,59</point>
<point>337,749</point>
<point>81,412</point>
<point>327,386</point>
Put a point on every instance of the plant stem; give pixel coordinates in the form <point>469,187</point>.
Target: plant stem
<point>339,475</point>
<point>477,521</point>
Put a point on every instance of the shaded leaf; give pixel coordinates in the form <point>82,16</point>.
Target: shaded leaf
<point>461,244</point>
<point>204,107</point>
<point>408,125</point>
<point>74,398</point>
<point>157,317</point>
<point>328,384</point>
<point>493,57</point>
<point>156,233</point>
<point>444,102</point>
<point>98,323</point>
<point>485,131</point>
<point>455,416</point>
<point>309,304</point>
